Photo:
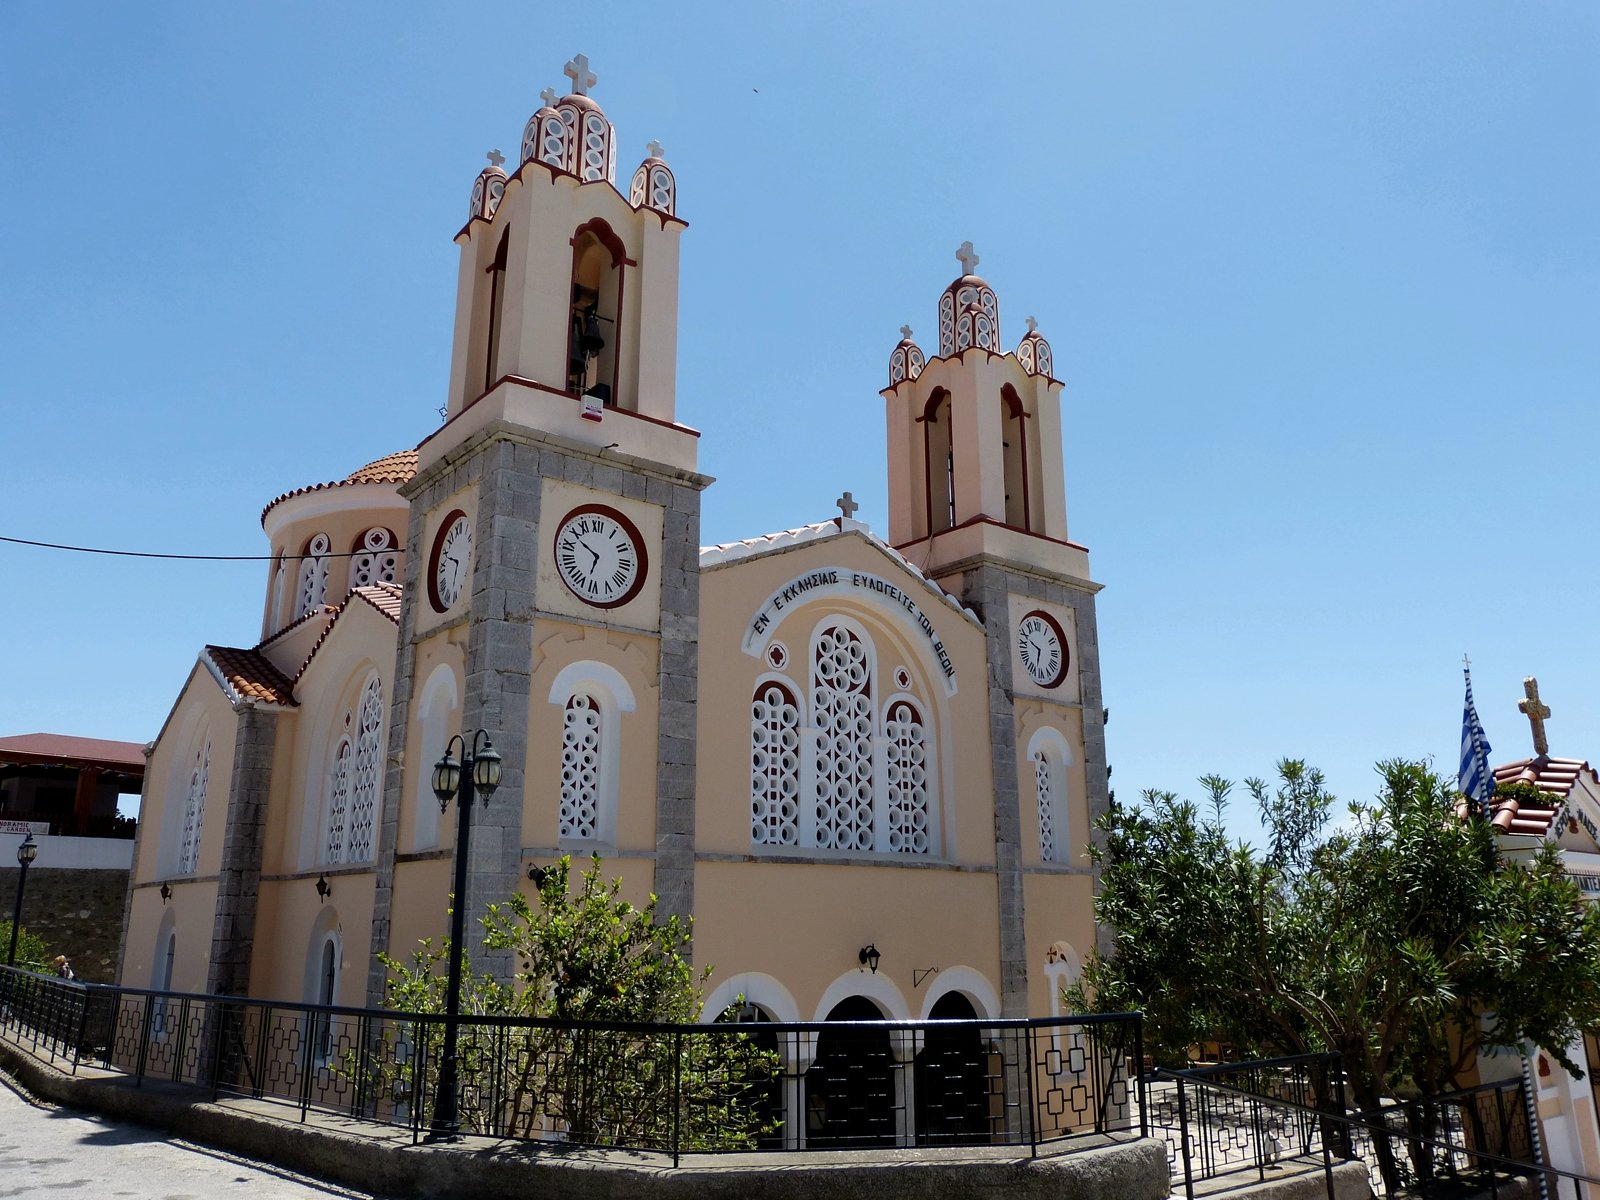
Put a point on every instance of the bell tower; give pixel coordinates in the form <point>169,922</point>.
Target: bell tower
<point>977,500</point>
<point>552,585</point>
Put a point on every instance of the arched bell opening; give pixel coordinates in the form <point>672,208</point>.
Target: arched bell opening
<point>594,334</point>
<point>1014,437</point>
<point>939,465</point>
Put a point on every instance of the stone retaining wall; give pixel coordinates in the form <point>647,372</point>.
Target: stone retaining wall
<point>77,913</point>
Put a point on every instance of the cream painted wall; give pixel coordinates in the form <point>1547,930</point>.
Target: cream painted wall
<point>290,915</point>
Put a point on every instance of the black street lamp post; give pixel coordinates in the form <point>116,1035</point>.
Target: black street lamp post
<point>26,853</point>
<point>478,774</point>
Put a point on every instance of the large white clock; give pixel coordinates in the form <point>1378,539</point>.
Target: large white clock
<point>600,555</point>
<point>1043,648</point>
<point>450,561</point>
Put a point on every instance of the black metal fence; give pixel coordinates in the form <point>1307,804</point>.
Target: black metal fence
<point>671,1089</point>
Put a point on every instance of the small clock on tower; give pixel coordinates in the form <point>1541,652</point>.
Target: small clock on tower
<point>600,556</point>
<point>450,561</point>
<point>1043,648</point>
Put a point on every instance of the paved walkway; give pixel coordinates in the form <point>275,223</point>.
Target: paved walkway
<point>47,1151</point>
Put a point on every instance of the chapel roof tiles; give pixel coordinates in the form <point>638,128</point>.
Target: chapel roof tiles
<point>391,468</point>
<point>1554,777</point>
<point>385,597</point>
<point>248,675</point>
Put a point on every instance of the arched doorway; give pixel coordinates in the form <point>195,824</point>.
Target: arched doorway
<point>952,1077</point>
<point>761,1099</point>
<point>850,1085</point>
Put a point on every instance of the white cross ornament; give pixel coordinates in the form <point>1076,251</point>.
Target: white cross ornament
<point>549,97</point>
<point>495,158</point>
<point>847,505</point>
<point>578,71</point>
<point>967,259</point>
<point>905,332</point>
<point>653,149</point>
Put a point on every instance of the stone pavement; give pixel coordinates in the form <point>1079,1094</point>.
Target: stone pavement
<point>48,1152</point>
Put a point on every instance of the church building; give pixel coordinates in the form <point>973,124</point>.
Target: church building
<point>820,742</point>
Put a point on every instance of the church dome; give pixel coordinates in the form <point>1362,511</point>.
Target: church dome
<point>906,362</point>
<point>653,183</point>
<point>391,468</point>
<point>488,188</point>
<point>1034,353</point>
<point>969,312</point>
<point>572,134</point>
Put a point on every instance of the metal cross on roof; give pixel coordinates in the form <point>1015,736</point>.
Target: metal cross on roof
<point>1536,713</point>
<point>967,259</point>
<point>549,97</point>
<point>495,158</point>
<point>847,505</point>
<point>653,149</point>
<point>905,332</point>
<point>578,71</point>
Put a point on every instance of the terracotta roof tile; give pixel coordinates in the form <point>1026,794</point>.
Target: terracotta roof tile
<point>391,468</point>
<point>64,749</point>
<point>1555,777</point>
<point>248,675</point>
<point>385,597</point>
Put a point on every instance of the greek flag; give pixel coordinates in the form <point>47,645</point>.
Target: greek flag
<point>1476,780</point>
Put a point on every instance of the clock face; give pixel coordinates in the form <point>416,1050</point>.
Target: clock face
<point>600,556</point>
<point>1043,648</point>
<point>450,561</point>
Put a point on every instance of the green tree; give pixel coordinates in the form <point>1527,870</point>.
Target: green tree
<point>32,953</point>
<point>585,955</point>
<point>1402,941</point>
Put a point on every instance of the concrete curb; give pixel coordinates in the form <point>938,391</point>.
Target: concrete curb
<point>386,1164</point>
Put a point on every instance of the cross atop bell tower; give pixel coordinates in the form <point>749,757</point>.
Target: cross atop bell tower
<point>582,78</point>
<point>1537,713</point>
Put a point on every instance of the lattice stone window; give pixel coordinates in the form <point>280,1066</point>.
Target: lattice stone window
<point>774,767</point>
<point>313,588</point>
<point>338,802</point>
<point>376,560</point>
<point>194,811</point>
<point>841,710</point>
<point>580,768</point>
<point>1046,777</point>
<point>366,776</point>
<point>907,771</point>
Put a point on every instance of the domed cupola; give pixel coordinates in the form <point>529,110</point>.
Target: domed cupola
<point>572,134</point>
<point>969,313</point>
<point>653,184</point>
<point>1033,352</point>
<point>488,188</point>
<point>906,362</point>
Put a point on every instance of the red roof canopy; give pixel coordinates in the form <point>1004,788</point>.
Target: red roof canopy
<point>64,750</point>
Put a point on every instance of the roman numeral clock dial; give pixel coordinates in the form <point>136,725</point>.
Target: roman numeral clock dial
<point>600,556</point>
<point>1043,648</point>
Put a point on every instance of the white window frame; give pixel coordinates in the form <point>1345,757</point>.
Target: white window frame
<point>613,697</point>
<point>1051,745</point>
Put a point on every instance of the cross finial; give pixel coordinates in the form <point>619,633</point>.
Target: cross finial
<point>578,71</point>
<point>495,158</point>
<point>1466,662</point>
<point>1536,713</point>
<point>1032,325</point>
<point>967,259</point>
<point>549,97</point>
<point>653,149</point>
<point>905,332</point>
<point>847,506</point>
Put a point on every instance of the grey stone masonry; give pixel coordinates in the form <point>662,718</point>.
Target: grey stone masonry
<point>680,680</point>
<point>244,836</point>
<point>986,587</point>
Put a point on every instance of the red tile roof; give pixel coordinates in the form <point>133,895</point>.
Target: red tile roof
<point>1555,777</point>
<point>385,597</point>
<point>249,675</point>
<point>62,749</point>
<point>391,468</point>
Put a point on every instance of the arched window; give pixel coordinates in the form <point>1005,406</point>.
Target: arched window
<point>166,957</point>
<point>194,811</point>
<point>841,712</point>
<point>906,741</point>
<point>592,347</point>
<point>1015,439</point>
<point>279,576</point>
<point>592,697</point>
<point>376,559</point>
<point>939,464</point>
<point>497,303</point>
<point>339,775</point>
<point>323,988</point>
<point>436,722</point>
<point>313,589</point>
<point>1047,753</point>
<point>367,778</point>
<point>774,766</point>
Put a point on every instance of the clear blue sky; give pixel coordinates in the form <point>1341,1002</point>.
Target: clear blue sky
<point>1323,283</point>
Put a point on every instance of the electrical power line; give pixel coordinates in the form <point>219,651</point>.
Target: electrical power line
<point>16,541</point>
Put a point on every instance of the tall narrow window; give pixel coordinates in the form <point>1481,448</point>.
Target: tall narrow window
<point>580,768</point>
<point>939,464</point>
<point>497,304</point>
<point>1045,779</point>
<point>1050,758</point>
<point>313,589</point>
<point>194,811</point>
<point>338,803</point>
<point>367,775</point>
<point>907,777</point>
<point>774,767</point>
<point>376,559</point>
<point>841,710</point>
<point>1014,434</point>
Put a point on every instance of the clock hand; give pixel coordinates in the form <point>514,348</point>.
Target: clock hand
<point>592,554</point>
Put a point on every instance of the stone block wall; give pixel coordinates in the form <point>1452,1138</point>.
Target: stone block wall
<point>77,913</point>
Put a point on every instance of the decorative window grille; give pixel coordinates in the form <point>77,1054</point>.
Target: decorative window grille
<point>580,768</point>
<point>774,767</point>
<point>338,802</point>
<point>841,710</point>
<point>907,776</point>
<point>366,781</point>
<point>376,559</point>
<point>313,589</point>
<point>1044,777</point>
<point>194,811</point>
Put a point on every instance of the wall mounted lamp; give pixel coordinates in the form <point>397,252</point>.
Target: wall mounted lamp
<point>324,888</point>
<point>868,956</point>
<point>166,891</point>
